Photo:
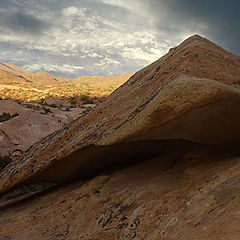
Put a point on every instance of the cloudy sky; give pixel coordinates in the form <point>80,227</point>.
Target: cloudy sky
<point>108,37</point>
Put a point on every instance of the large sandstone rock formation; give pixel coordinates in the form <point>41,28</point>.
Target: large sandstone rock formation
<point>178,117</point>
<point>198,197</point>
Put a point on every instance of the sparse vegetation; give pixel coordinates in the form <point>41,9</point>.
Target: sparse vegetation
<point>88,109</point>
<point>73,101</point>
<point>87,100</point>
<point>53,105</point>
<point>61,91</point>
<point>41,86</point>
<point>46,110</point>
<point>4,161</point>
<point>15,115</point>
<point>7,116</point>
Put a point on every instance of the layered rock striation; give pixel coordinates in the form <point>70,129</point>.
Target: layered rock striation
<point>157,159</point>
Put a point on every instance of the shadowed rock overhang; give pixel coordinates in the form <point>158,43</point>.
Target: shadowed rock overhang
<point>191,94</point>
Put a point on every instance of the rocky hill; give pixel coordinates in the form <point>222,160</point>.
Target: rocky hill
<point>19,84</point>
<point>43,104</point>
<point>163,164</point>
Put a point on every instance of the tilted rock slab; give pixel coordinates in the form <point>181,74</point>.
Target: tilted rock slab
<point>191,93</point>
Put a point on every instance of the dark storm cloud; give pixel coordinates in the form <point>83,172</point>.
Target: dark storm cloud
<point>20,22</point>
<point>108,37</point>
<point>216,19</point>
<point>20,16</point>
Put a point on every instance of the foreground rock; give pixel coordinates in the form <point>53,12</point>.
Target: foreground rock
<point>193,87</point>
<point>30,126</point>
<point>191,195</point>
<point>180,118</point>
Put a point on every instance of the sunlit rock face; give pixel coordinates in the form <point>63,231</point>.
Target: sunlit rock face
<point>157,159</point>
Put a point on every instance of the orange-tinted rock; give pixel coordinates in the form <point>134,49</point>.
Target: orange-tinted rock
<point>197,197</point>
<point>176,122</point>
<point>30,126</point>
<point>190,89</point>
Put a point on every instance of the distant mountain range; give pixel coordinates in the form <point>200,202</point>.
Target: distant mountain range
<point>19,84</point>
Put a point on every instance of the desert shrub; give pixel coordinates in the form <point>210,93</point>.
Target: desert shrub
<point>7,116</point>
<point>46,110</point>
<point>87,100</point>
<point>83,97</point>
<point>53,105</point>
<point>88,109</point>
<point>73,101</point>
<point>4,161</point>
<point>15,115</point>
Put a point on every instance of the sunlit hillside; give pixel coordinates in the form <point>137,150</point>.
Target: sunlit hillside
<point>19,84</point>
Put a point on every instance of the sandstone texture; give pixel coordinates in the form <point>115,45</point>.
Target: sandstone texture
<point>192,195</point>
<point>30,126</point>
<point>157,159</point>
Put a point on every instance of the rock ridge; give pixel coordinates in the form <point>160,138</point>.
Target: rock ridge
<point>173,98</point>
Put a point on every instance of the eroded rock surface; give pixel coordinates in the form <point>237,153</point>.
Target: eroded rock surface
<point>158,159</point>
<point>193,87</point>
<point>191,195</point>
<point>30,126</point>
